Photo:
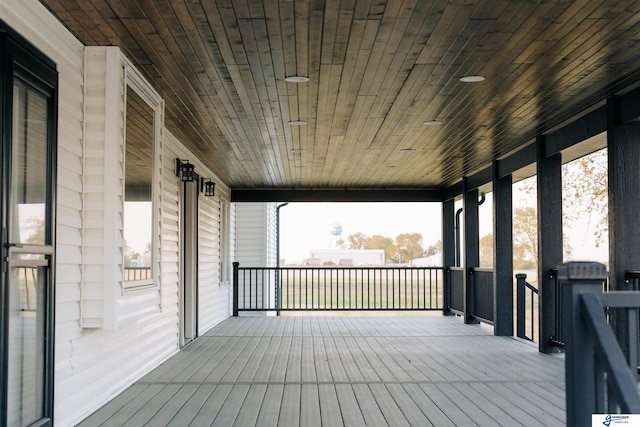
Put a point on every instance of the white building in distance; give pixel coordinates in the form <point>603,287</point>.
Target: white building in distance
<point>346,257</point>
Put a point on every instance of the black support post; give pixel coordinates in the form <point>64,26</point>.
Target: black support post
<point>624,210</point>
<point>236,266</point>
<point>549,171</point>
<point>503,253</point>
<point>580,361</point>
<point>448,250</point>
<point>471,247</point>
<point>521,288</point>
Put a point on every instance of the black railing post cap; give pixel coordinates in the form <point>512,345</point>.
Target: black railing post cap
<point>582,270</point>
<point>521,276</point>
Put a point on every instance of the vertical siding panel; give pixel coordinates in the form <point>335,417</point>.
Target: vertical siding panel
<point>213,296</point>
<point>256,246</point>
<point>104,145</point>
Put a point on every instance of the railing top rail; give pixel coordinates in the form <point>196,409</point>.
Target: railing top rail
<point>340,267</point>
<point>620,299</point>
<point>481,270</point>
<point>530,286</point>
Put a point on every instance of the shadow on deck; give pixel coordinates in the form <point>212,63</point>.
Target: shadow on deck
<point>356,371</point>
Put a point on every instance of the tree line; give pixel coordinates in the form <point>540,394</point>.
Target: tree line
<point>584,187</point>
<point>402,249</point>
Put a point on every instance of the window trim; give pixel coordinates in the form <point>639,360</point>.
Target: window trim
<point>133,80</point>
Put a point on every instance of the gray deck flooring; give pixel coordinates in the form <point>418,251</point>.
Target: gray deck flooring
<point>352,371</point>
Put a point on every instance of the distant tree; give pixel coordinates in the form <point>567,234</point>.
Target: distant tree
<point>340,243</point>
<point>380,242</point>
<point>409,246</point>
<point>357,240</point>
<point>525,236</point>
<point>395,255</point>
<point>36,228</point>
<point>585,193</point>
<point>486,251</point>
<point>129,254</point>
<point>525,239</point>
<point>434,249</point>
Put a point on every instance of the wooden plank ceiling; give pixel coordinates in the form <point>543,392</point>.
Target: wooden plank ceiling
<point>378,69</point>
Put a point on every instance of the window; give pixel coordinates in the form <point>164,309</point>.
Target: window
<point>140,221</point>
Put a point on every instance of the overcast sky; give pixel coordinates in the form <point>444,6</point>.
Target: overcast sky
<point>307,226</point>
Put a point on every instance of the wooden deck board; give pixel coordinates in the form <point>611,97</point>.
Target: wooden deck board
<point>516,414</point>
<point>250,409</point>
<point>310,406</point>
<point>290,408</point>
<point>212,405</point>
<point>229,411</point>
<point>393,415</point>
<point>351,414</point>
<point>371,412</point>
<point>412,412</point>
<point>192,406</point>
<point>270,409</point>
<point>352,371</point>
<point>329,405</point>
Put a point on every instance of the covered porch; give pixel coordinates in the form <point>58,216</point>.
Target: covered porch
<point>347,370</point>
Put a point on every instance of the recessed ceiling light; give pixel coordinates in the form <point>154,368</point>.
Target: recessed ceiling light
<point>296,79</point>
<point>433,122</point>
<point>297,122</point>
<point>408,150</point>
<point>471,79</point>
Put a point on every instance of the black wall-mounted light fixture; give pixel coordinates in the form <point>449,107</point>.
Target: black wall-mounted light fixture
<point>185,170</point>
<point>207,186</point>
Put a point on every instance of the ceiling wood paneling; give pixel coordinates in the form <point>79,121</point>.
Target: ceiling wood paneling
<point>377,69</point>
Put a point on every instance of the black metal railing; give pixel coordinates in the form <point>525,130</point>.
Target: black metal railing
<point>337,288</point>
<point>482,287</point>
<point>527,308</point>
<point>27,278</point>
<point>137,273</point>
<point>557,338</point>
<point>632,317</point>
<point>598,378</point>
<point>456,289</point>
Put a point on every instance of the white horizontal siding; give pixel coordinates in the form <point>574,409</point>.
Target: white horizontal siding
<point>30,19</point>
<point>256,234</point>
<point>210,293</point>
<point>213,298</point>
<point>94,364</point>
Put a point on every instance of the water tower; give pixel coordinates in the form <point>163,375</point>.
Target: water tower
<point>336,234</point>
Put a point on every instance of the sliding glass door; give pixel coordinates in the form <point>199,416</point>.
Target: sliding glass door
<point>27,200</point>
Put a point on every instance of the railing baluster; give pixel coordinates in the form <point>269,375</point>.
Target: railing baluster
<point>336,288</point>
